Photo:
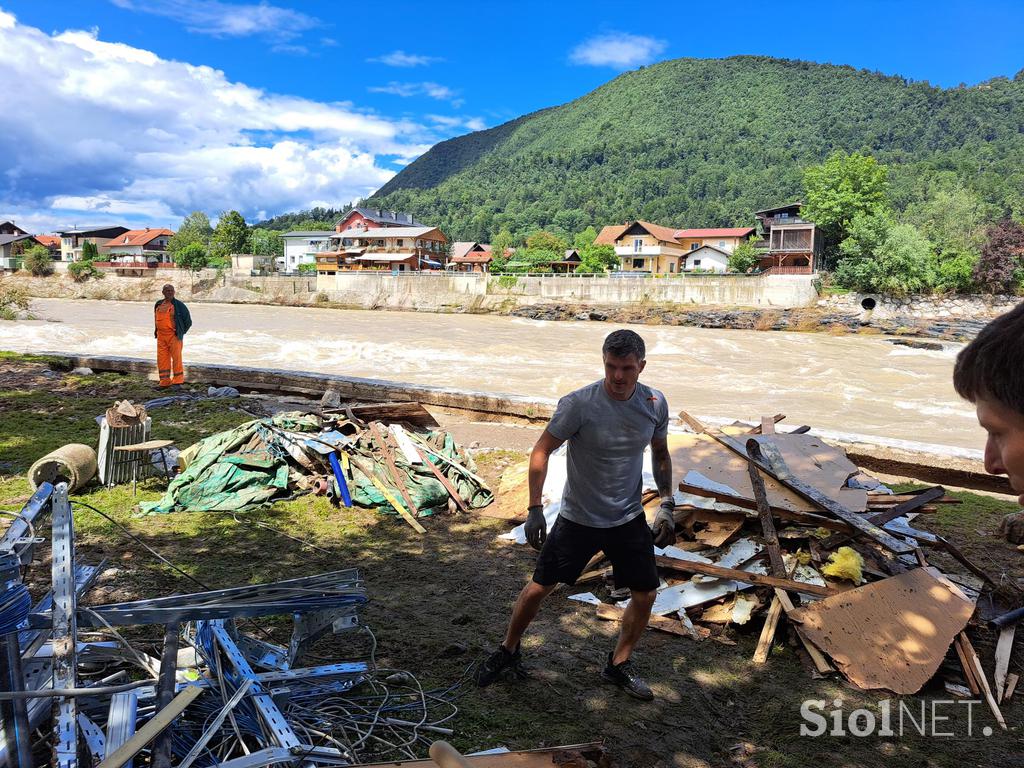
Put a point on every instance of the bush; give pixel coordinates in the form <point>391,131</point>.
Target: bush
<point>13,301</point>
<point>38,261</point>
<point>954,272</point>
<point>81,271</point>
<point>745,257</point>
<point>902,264</point>
<point>307,269</point>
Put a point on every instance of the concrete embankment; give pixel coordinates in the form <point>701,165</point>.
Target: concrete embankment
<point>928,463</point>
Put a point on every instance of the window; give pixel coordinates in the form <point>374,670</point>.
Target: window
<point>638,244</point>
<point>671,266</point>
<point>380,243</point>
<point>638,263</point>
<point>401,242</point>
<point>346,241</point>
<point>721,243</point>
<point>694,246</point>
<point>696,262</point>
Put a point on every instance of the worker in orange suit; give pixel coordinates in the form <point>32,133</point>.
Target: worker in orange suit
<point>172,321</point>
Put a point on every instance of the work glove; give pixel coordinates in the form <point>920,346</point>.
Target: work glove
<point>536,526</point>
<point>664,528</point>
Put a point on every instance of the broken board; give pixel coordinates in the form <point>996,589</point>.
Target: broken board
<point>892,634</point>
<point>699,460</point>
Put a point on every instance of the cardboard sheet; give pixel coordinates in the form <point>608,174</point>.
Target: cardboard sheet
<point>892,634</point>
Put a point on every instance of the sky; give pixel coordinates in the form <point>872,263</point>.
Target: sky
<point>137,112</point>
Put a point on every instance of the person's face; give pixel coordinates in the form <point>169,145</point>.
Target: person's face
<point>621,374</point>
<point>168,292</point>
<point>1004,449</point>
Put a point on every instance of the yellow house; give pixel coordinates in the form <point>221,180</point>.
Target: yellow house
<point>644,247</point>
<point>723,238</point>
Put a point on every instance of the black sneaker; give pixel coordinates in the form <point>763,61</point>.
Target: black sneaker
<point>499,662</point>
<point>627,678</point>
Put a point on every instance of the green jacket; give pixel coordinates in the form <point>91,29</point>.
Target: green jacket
<point>182,318</point>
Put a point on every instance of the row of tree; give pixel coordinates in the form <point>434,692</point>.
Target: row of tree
<point>948,240</point>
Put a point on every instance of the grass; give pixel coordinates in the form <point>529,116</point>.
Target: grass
<point>453,588</point>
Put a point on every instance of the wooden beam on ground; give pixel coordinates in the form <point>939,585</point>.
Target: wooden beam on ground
<point>665,624</point>
<point>759,429</point>
<point>764,512</point>
<point>969,674</point>
<point>767,425</point>
<point>758,579</point>
<point>804,518</point>
<point>389,458</point>
<point>817,657</point>
<point>1003,648</point>
<point>1011,686</point>
<point>448,486</point>
<point>153,728</point>
<point>979,673</point>
<point>771,623</point>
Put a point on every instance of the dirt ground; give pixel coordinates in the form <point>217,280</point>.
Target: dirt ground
<point>439,603</point>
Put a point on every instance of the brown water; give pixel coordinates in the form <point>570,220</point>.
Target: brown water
<point>839,384</point>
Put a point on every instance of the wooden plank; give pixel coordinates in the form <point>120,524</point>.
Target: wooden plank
<point>444,481</point>
<point>412,413</point>
<point>577,754</point>
<point>389,459</point>
<point>764,512</point>
<point>758,579</point>
<point>153,728</point>
<point>804,518</point>
<point>979,674</point>
<point>767,425</point>
<point>1003,648</point>
<point>771,623</point>
<point>911,505</point>
<point>1011,686</point>
<point>390,497</point>
<point>665,624</point>
<point>968,667</point>
<point>759,429</point>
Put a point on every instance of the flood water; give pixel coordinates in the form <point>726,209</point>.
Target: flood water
<point>838,384</point>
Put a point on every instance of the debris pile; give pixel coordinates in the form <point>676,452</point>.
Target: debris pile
<point>785,527</point>
<point>412,472</point>
<point>74,691</point>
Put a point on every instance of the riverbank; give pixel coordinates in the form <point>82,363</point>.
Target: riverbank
<point>951,319</point>
<point>438,602</point>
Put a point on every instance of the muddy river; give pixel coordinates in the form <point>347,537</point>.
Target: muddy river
<point>838,384</point>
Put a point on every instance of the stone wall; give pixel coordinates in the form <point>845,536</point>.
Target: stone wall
<point>424,291</point>
<point>921,307</point>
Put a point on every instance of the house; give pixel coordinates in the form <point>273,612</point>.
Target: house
<point>251,264</point>
<point>51,243</point>
<point>372,218</point>
<point>568,263</point>
<point>10,251</point>
<point>644,247</point>
<point>302,247</point>
<point>398,249</point>
<point>470,257</point>
<point>722,238</point>
<point>138,247</point>
<point>71,240</point>
<point>790,244</point>
<point>707,258</point>
<point>10,228</point>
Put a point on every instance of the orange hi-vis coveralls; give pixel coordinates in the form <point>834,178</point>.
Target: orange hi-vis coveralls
<point>168,346</point>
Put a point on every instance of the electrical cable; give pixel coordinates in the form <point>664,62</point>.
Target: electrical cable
<point>51,693</point>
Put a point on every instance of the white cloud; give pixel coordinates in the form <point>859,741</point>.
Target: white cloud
<point>405,90</point>
<point>403,59</point>
<point>620,51</point>
<point>219,19</point>
<point>456,122</point>
<point>118,134</point>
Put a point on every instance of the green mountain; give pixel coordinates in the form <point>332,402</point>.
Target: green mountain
<point>698,142</point>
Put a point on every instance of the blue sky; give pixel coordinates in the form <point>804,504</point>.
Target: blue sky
<point>142,110</point>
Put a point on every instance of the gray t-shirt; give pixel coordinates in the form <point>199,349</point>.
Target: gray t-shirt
<point>606,440</point>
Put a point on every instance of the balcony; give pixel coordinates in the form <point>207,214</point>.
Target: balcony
<point>647,250</point>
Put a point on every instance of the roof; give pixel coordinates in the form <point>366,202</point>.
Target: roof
<point>797,204</point>
<point>95,231</point>
<point>138,237</point>
<point>571,254</point>
<point>707,248</point>
<point>383,217</point>
<point>608,235</point>
<point>326,233</point>
<point>50,241</point>
<point>7,239</point>
<point>389,232</point>
<point>12,225</point>
<point>719,232</point>
<point>474,257</point>
<point>462,247</point>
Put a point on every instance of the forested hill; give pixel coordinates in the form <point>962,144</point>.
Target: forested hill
<point>698,142</point>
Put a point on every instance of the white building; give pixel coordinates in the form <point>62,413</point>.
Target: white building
<point>301,247</point>
<point>707,258</point>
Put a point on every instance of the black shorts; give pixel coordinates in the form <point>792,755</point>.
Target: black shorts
<point>569,547</point>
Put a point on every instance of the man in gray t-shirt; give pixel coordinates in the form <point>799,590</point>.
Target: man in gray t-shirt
<point>607,426</point>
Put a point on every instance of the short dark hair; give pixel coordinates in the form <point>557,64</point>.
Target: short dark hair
<point>623,344</point>
<point>992,366</point>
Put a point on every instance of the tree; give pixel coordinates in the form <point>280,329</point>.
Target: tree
<point>901,264</point>
<point>192,257</point>
<point>745,257</point>
<point>230,236</point>
<point>1001,257</point>
<point>266,242</point>
<point>545,241</point>
<point>839,190</point>
<point>81,271</point>
<point>501,243</point>
<point>38,261</point>
<point>89,251</point>
<point>194,228</point>
<point>598,258</point>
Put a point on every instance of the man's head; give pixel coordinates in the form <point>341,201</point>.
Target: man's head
<point>168,291</point>
<point>990,373</point>
<point>624,358</point>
